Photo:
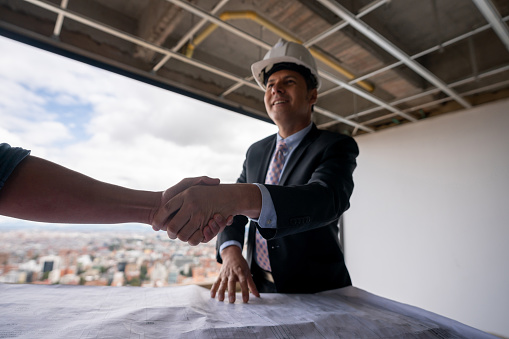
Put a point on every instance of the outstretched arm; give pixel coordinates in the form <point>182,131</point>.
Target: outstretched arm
<point>40,190</point>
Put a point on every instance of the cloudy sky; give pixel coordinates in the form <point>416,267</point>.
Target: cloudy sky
<point>113,128</point>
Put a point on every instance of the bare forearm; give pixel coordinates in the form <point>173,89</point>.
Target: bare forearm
<point>40,190</point>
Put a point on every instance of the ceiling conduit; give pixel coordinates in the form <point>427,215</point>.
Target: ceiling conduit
<point>253,16</point>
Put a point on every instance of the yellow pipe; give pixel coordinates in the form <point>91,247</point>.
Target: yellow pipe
<point>253,16</point>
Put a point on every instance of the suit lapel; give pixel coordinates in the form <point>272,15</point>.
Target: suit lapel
<point>265,158</point>
<point>299,153</point>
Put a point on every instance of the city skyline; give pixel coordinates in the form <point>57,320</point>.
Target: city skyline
<point>104,258</point>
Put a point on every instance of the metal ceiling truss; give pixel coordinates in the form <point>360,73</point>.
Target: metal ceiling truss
<point>422,94</point>
<point>348,19</point>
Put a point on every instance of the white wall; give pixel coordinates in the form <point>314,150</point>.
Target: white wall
<point>429,217</point>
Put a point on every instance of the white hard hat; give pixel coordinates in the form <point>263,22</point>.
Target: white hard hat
<point>288,52</point>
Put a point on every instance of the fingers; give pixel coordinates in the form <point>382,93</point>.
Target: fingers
<point>204,180</point>
<point>196,238</point>
<point>180,187</point>
<point>245,290</point>
<point>208,234</point>
<point>220,222</point>
<point>165,214</point>
<point>186,183</point>
<point>179,222</point>
<point>229,221</point>
<point>252,287</point>
<point>185,229</point>
<point>232,289</point>
<point>215,226</point>
<point>214,288</point>
<point>247,284</point>
<point>210,230</point>
<point>222,288</point>
<point>173,229</point>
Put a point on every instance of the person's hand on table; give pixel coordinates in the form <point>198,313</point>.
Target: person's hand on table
<point>234,269</point>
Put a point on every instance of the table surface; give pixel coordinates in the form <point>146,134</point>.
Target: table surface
<point>63,311</point>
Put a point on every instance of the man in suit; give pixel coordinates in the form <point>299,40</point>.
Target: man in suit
<point>293,244</point>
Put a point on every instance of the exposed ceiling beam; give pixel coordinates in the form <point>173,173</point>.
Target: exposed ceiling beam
<point>340,25</point>
<point>392,49</point>
<point>188,36</point>
<point>60,20</point>
<point>367,96</point>
<point>140,42</point>
<point>494,19</point>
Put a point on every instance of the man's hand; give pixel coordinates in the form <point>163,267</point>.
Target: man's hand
<point>192,209</point>
<point>162,215</point>
<point>234,269</point>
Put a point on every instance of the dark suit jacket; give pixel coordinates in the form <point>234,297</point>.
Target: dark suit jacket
<point>313,193</point>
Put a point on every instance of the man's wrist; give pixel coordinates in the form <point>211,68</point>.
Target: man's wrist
<point>230,250</point>
<point>249,200</point>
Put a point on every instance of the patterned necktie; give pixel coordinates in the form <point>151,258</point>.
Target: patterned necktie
<point>273,175</point>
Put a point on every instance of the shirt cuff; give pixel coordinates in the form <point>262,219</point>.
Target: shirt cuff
<point>268,217</point>
<point>229,243</point>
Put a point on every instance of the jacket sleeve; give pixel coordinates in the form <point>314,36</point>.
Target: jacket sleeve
<point>236,230</point>
<point>318,191</point>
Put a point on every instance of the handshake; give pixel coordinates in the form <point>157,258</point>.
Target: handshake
<point>196,209</point>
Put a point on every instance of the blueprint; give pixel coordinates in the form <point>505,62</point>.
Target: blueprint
<point>63,311</point>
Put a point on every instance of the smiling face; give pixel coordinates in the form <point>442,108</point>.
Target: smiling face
<point>288,101</point>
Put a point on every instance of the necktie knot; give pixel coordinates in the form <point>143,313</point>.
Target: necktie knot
<point>281,146</point>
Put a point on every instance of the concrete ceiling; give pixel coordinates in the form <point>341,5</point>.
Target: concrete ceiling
<point>383,63</point>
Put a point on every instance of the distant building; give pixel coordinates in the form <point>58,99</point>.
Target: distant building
<point>158,274</point>
<point>121,266</point>
<point>51,264</point>
<point>173,275</point>
<point>118,279</point>
<point>4,258</point>
<point>132,271</point>
<point>84,261</point>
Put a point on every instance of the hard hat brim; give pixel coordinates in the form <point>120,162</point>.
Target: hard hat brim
<point>259,68</point>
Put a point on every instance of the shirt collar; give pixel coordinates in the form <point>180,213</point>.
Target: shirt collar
<point>294,140</point>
